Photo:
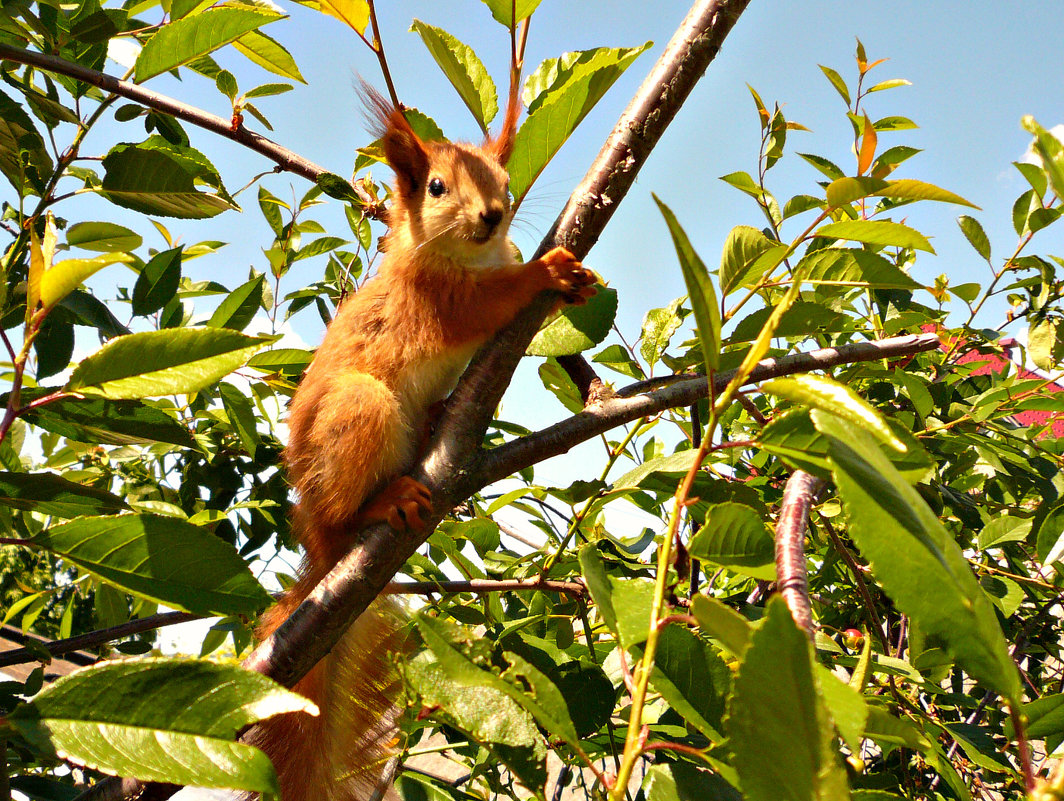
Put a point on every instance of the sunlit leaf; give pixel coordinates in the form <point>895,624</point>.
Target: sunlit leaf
<point>463,69</point>
<point>877,232</point>
<point>577,328</point>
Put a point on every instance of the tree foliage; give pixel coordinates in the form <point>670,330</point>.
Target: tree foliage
<point>147,474</point>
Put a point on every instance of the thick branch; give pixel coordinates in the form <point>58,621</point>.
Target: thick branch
<point>282,157</point>
<point>792,580</point>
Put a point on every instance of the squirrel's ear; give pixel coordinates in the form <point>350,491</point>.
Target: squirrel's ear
<point>503,144</point>
<point>406,153</point>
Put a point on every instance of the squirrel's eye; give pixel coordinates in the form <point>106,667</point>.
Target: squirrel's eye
<point>436,187</point>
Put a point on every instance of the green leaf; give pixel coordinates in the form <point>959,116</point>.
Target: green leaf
<point>558,382</point>
<point>353,13</point>
<point>503,10</point>
<point>675,464</point>
<point>269,90</point>
<point>577,328</point>
<point>1051,151</point>
<point>734,536</point>
<point>915,558</point>
<point>876,232</point>
<point>1004,529</point>
<point>658,327</point>
<point>337,187</point>
<point>741,263</point>
<point>680,781</point>
<point>152,363</point>
<point>975,235</point>
<point>836,81</point>
<point>852,267</point>
<point>1049,542</point>
<point>847,707</point>
<point>820,392</point>
<point>463,69</point>
<point>48,494</point>
<point>191,37</point>
<point>104,237</point>
<point>240,306</point>
<point>801,319</point>
<point>778,726</point>
<point>624,604</point>
<point>691,678</point>
<point>241,415</point>
<point>157,283</point>
<point>65,276</point>
<point>18,135</point>
<point>843,191</point>
<point>699,289</point>
<point>97,420</point>
<point>1044,344</point>
<point>163,559</point>
<point>260,49</point>
<point>169,720</point>
<point>722,623</point>
<point>158,178</point>
<point>478,702</point>
<point>826,167</point>
<point>582,80</point>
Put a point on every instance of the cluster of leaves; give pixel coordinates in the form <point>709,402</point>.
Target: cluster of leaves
<point>148,474</point>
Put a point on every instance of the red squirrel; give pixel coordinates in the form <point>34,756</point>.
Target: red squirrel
<point>359,419</point>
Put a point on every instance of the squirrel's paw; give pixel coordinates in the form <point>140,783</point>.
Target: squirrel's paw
<point>400,505</point>
<point>570,277</point>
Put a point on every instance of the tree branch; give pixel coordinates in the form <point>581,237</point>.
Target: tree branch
<point>647,398</point>
<point>285,159</point>
<point>94,639</point>
<point>792,580</point>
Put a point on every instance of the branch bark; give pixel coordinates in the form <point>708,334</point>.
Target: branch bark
<point>792,580</point>
<point>284,158</point>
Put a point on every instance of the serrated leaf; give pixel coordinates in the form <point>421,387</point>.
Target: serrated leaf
<point>733,536</point>
<point>778,726</point>
<point>564,104</point>
<point>504,10</point>
<point>836,81</point>
<point>479,703</point>
<point>240,306</point>
<point>876,232</point>
<point>852,267</point>
<point>722,623</point>
<point>97,420</point>
<point>163,559</point>
<point>19,135</point>
<point>269,54</point>
<point>104,237</point>
<point>820,392</point>
<point>160,720</point>
<point>577,328</point>
<point>691,678</point>
<point>915,559</point>
<point>843,191</point>
<point>63,277</point>
<point>658,327</point>
<point>700,289</point>
<point>463,69</point>
<point>157,178</point>
<point>1051,151</point>
<point>353,13</point>
<point>153,363</point>
<point>241,415</point>
<point>49,494</point>
<point>801,319</point>
<point>157,283</point>
<point>1044,344</point>
<point>289,361</point>
<point>191,37</point>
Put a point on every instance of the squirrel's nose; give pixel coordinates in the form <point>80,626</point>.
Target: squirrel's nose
<point>491,218</point>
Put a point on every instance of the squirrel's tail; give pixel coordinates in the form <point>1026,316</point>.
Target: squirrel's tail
<point>343,753</point>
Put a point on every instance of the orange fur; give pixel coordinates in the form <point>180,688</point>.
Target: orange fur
<point>357,423</point>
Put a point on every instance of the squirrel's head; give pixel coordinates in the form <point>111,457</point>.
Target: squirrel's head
<point>449,199</point>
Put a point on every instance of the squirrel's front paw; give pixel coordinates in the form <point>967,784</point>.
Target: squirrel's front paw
<point>568,276</point>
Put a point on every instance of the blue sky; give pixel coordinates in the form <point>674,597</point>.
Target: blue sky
<point>976,68</point>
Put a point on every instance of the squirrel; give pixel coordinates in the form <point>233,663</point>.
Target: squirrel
<point>363,413</point>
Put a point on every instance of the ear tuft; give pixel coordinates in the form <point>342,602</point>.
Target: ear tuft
<point>406,153</point>
<point>503,144</point>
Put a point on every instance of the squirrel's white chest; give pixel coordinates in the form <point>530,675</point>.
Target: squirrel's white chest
<point>424,382</point>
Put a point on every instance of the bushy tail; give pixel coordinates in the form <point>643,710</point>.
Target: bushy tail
<point>342,754</point>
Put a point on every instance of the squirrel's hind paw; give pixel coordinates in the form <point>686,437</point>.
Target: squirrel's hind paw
<point>400,504</point>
